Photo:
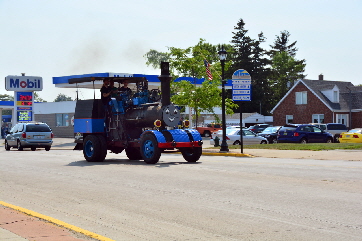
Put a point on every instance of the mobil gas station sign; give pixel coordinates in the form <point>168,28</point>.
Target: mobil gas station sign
<point>23,83</point>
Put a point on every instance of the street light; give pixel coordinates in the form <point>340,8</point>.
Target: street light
<point>222,55</point>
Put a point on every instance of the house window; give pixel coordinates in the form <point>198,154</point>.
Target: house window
<point>62,119</point>
<point>335,96</point>
<point>289,119</point>
<point>342,119</point>
<point>301,98</point>
<point>318,118</point>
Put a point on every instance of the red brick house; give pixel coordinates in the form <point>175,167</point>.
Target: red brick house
<point>320,101</point>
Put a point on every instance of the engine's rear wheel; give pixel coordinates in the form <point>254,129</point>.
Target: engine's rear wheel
<point>150,151</point>
<point>191,154</point>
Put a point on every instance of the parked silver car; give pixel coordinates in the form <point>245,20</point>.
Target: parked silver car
<point>233,138</point>
<point>29,135</point>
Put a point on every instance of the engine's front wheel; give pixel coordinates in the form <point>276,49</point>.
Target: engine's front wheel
<point>150,151</point>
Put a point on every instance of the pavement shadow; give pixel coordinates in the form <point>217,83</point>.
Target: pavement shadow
<point>113,161</point>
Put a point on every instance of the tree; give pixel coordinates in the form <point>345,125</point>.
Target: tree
<point>285,70</point>
<point>281,45</point>
<point>6,97</point>
<point>249,55</point>
<point>285,67</point>
<point>37,98</point>
<point>62,97</point>
<point>189,62</point>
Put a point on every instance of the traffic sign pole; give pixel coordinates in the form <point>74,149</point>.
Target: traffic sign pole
<point>241,81</point>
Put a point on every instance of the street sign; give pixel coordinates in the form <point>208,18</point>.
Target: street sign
<point>241,82</point>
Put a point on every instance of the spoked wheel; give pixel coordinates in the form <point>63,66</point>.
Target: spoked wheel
<point>92,149</point>
<point>7,147</point>
<point>236,143</point>
<point>329,140</point>
<point>133,153</point>
<point>20,147</point>
<point>303,141</point>
<point>149,149</point>
<point>191,154</point>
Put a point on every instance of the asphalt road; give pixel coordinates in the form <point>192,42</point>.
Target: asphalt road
<point>218,198</point>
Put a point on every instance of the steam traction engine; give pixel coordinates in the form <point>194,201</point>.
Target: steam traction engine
<point>135,122</point>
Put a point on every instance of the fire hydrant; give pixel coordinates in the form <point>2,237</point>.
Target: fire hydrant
<point>216,140</point>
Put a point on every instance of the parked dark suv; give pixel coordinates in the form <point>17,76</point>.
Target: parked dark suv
<point>334,128</point>
<point>270,133</point>
<point>303,134</point>
<point>258,128</point>
<point>29,135</point>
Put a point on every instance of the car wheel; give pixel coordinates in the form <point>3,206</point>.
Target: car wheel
<point>303,141</point>
<point>274,141</point>
<point>20,147</point>
<point>236,143</point>
<point>207,134</point>
<point>7,147</point>
<point>33,148</point>
<point>329,140</point>
<point>263,142</point>
<point>336,139</point>
<point>47,148</point>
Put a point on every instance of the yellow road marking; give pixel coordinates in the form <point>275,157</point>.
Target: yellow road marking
<point>57,222</point>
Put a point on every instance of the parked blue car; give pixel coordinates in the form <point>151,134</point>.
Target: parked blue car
<point>303,134</point>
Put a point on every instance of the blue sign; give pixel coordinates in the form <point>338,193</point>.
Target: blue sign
<point>241,82</point>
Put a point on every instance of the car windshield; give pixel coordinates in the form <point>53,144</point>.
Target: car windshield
<point>336,127</point>
<point>288,128</point>
<point>248,133</point>
<point>356,131</point>
<point>37,128</point>
<point>270,130</point>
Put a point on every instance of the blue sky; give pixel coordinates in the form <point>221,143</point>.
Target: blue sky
<point>55,38</point>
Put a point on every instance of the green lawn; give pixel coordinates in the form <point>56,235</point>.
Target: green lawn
<point>309,146</point>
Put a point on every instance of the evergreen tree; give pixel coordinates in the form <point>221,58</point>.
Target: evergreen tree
<point>281,45</point>
<point>286,69</point>
<point>249,55</point>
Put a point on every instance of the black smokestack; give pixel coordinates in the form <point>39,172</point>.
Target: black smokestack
<point>165,79</point>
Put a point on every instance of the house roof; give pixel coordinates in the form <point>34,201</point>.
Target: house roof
<point>318,86</point>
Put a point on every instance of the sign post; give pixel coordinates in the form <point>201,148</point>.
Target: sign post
<point>241,91</point>
<point>23,87</point>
